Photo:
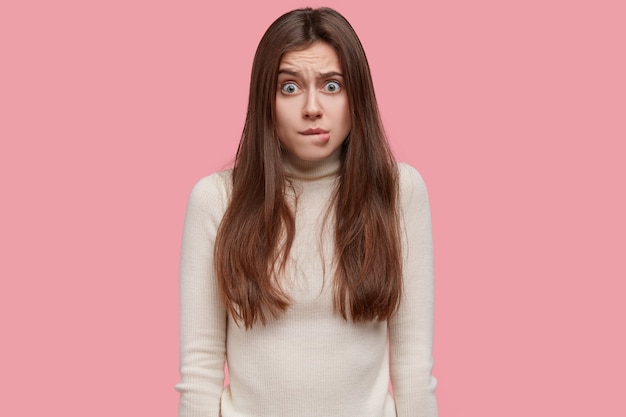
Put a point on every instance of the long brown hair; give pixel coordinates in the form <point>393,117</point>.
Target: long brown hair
<point>258,227</point>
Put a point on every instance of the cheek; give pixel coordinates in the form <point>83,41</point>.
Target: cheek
<point>344,111</point>
<point>338,108</point>
<point>281,114</point>
<point>286,112</point>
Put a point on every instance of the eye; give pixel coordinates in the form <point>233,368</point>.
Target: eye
<point>332,87</point>
<point>289,88</point>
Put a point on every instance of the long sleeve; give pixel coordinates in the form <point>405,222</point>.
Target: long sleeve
<point>202,315</point>
<point>411,329</point>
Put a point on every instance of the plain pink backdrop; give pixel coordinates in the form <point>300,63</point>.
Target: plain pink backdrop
<point>514,112</point>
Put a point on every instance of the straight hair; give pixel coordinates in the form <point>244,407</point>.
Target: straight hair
<point>257,231</point>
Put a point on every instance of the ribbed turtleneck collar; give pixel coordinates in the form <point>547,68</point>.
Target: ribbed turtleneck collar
<point>312,170</point>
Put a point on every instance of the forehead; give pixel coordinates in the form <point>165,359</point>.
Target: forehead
<point>318,56</point>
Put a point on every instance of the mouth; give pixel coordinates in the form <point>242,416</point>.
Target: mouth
<point>317,135</point>
<point>316,131</point>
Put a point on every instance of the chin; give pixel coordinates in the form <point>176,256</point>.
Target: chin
<point>313,157</point>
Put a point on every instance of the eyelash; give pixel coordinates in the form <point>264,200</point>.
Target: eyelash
<point>339,86</point>
<point>282,87</point>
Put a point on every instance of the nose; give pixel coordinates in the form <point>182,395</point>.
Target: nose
<point>312,108</point>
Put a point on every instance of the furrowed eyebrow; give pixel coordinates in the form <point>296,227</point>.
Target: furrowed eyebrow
<point>330,74</point>
<point>320,74</point>
<point>288,72</point>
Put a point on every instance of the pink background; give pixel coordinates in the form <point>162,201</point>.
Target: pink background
<point>514,112</point>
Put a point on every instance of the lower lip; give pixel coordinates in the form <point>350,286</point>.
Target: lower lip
<point>322,137</point>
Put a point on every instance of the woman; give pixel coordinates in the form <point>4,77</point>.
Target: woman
<point>308,267</point>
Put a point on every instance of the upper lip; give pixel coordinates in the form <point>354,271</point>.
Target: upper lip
<point>312,131</point>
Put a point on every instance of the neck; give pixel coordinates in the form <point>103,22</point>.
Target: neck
<point>312,170</point>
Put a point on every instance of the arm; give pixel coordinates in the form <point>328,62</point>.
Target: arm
<point>202,315</point>
<point>411,329</point>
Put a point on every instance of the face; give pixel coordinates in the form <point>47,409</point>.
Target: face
<point>312,108</point>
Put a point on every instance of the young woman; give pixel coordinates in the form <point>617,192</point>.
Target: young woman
<point>308,266</point>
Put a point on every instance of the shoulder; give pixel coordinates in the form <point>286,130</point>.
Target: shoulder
<point>212,190</point>
<point>411,184</point>
<point>217,182</point>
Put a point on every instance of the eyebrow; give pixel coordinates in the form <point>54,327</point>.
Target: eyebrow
<point>320,74</point>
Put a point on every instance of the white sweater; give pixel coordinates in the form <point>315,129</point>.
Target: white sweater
<point>309,362</point>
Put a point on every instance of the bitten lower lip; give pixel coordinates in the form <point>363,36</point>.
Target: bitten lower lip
<point>313,132</point>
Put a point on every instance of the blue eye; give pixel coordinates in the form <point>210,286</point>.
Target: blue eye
<point>289,88</point>
<point>332,86</point>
